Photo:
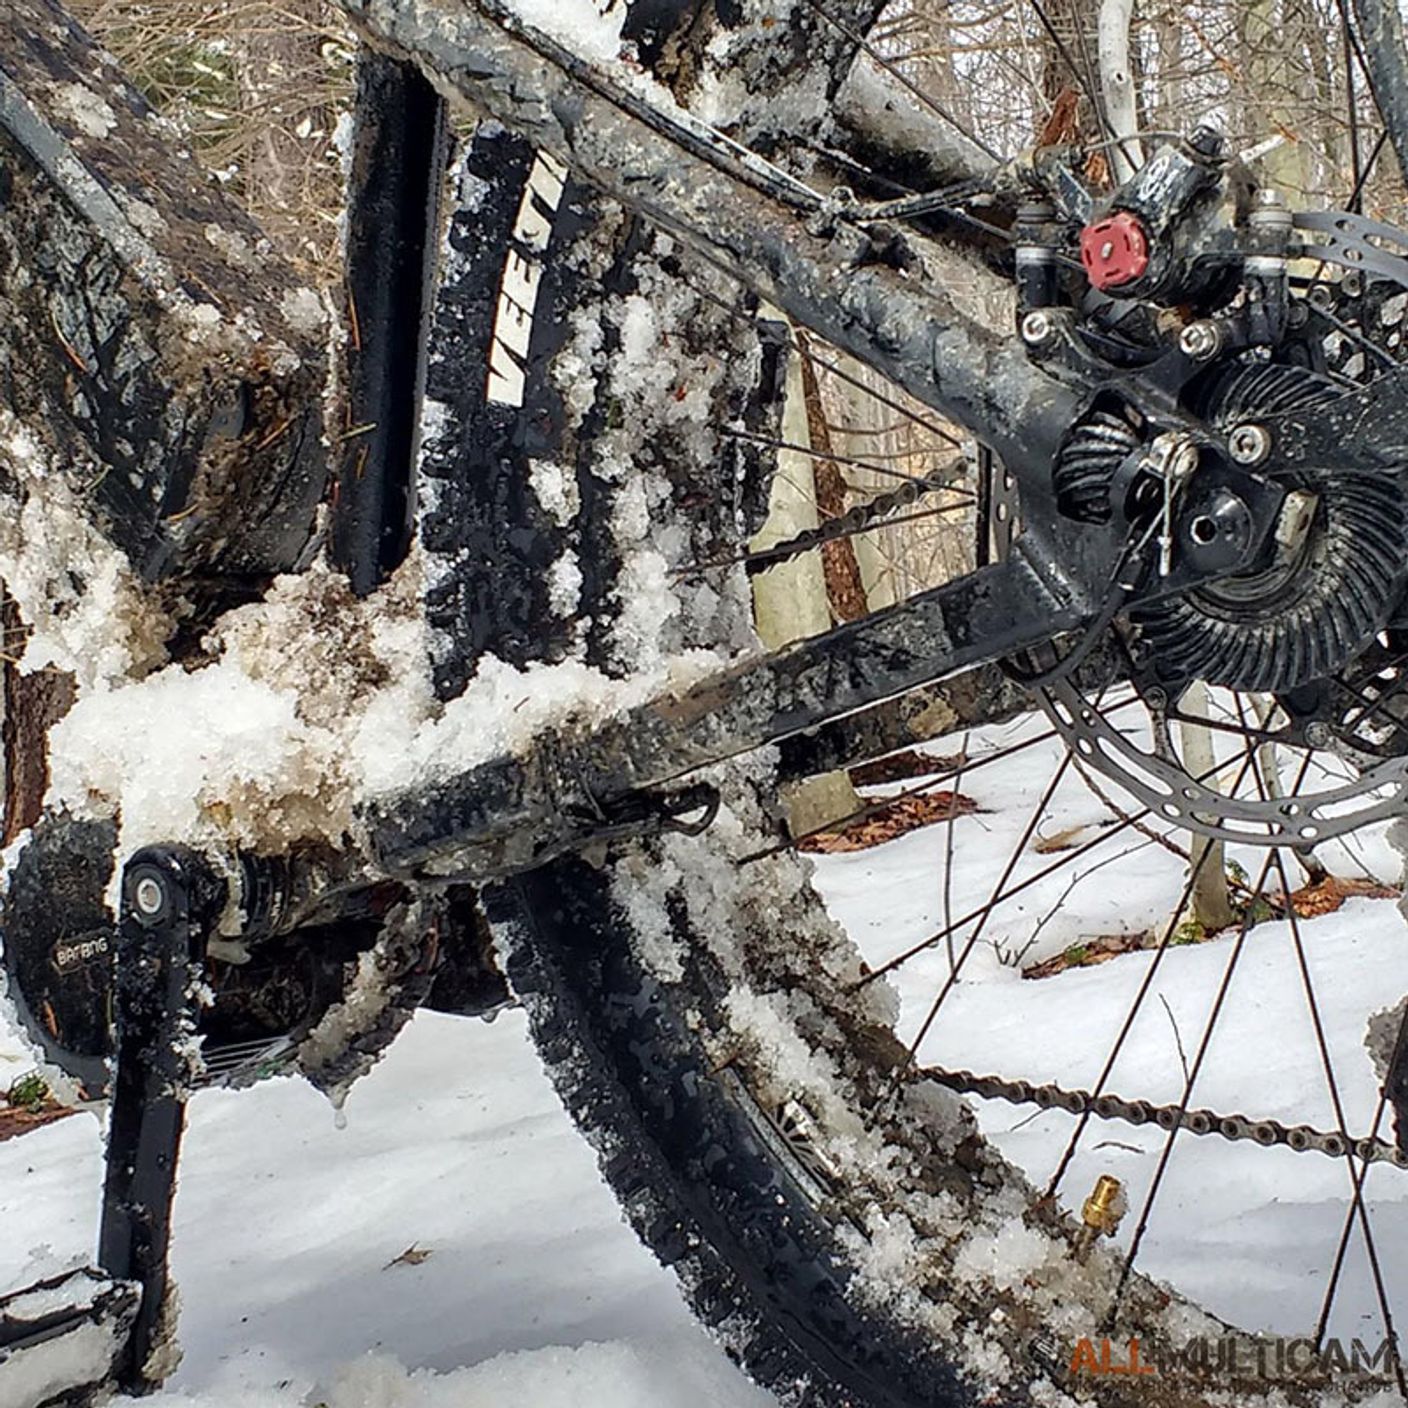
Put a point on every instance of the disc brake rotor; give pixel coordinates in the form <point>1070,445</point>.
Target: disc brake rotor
<point>1167,788</point>
<point>1351,577</point>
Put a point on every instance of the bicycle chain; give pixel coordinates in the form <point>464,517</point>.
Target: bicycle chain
<point>1300,1138</point>
<point>851,522</point>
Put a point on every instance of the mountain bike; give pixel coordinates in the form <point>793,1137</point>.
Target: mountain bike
<point>487,603</point>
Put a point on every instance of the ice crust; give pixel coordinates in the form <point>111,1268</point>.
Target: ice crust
<point>86,613</point>
<point>81,1356</point>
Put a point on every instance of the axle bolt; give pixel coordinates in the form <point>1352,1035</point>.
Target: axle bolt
<point>1200,340</point>
<point>148,895</point>
<point>1249,444</point>
<point>1037,327</point>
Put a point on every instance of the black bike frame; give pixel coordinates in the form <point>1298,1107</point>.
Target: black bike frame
<point>219,466</point>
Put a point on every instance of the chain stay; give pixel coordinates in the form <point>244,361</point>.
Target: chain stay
<point>1268,1133</point>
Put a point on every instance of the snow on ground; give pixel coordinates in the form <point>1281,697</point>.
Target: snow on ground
<point>286,1224</point>
<point>1250,1232</point>
<point>535,1290</point>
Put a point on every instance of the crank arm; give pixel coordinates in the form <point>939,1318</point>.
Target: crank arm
<point>170,900</point>
<point>70,1339</point>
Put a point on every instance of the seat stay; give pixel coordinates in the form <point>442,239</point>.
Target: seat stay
<point>743,216</point>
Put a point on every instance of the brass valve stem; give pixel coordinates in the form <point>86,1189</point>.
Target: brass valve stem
<point>1102,1213</point>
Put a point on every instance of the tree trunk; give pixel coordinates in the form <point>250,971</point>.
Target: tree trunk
<point>1117,87</point>
<point>790,600</point>
<point>1267,38</point>
<point>30,705</point>
<point>1212,906</point>
<point>844,588</point>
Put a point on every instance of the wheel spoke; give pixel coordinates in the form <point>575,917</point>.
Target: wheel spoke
<point>771,443</point>
<point>1190,1079</point>
<point>748,315</point>
<point>898,74</point>
<point>1053,1187</point>
<point>1356,1181</point>
<point>1084,76</point>
<point>948,855</point>
<point>1351,106</point>
<point>1127,823</point>
<point>1351,1213</point>
<point>985,913</point>
<point>816,538</point>
<point>920,419</point>
<point>920,789</point>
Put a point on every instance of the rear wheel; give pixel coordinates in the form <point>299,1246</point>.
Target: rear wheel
<point>777,1101</point>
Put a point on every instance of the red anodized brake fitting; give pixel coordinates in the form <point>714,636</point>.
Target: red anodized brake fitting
<point>1115,250</point>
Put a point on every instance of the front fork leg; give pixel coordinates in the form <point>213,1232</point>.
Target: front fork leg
<point>171,900</point>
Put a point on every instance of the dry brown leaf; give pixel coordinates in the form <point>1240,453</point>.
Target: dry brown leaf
<point>1330,893</point>
<point>1062,126</point>
<point>1087,953</point>
<point>899,767</point>
<point>17,1119</point>
<point>902,815</point>
<point>412,1256</point>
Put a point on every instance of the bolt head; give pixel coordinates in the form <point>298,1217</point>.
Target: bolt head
<point>1206,140</point>
<point>1037,327</point>
<point>1200,340</point>
<point>148,895</point>
<point>1249,444</point>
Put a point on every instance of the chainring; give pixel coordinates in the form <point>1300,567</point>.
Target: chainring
<point>59,942</point>
<point>59,953</point>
